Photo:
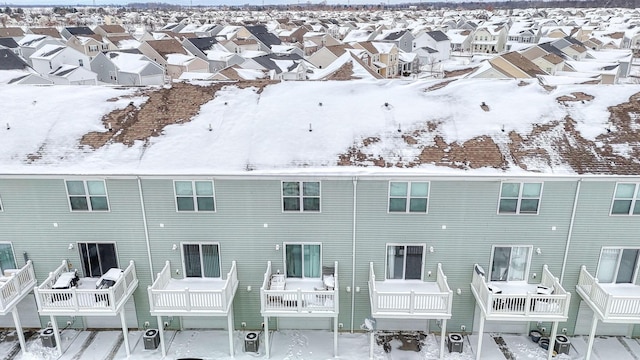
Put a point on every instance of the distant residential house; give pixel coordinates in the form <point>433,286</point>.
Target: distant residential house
<point>122,42</point>
<point>237,73</point>
<point>48,31</point>
<point>293,36</point>
<point>11,44</point>
<point>436,40</point>
<point>15,33</point>
<point>408,63</point>
<point>593,44</point>
<point>173,27</point>
<point>489,39</point>
<point>219,59</point>
<point>511,65</point>
<point>403,39</point>
<point>73,75</point>
<point>200,46</point>
<point>315,40</point>
<point>158,50</point>
<point>68,32</point>
<point>30,43</point>
<point>127,69</point>
<point>292,67</point>
<point>264,37</point>
<point>207,30</point>
<point>30,79</point>
<point>460,40</point>
<point>90,45</point>
<point>522,34</point>
<point>179,63</point>
<point>359,36</point>
<point>327,55</point>
<point>110,30</point>
<point>571,47</point>
<point>384,57</point>
<point>9,60</point>
<point>52,57</point>
<point>550,63</point>
<point>241,46</point>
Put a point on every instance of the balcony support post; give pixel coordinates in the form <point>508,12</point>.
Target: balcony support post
<point>18,324</point>
<point>56,334</point>
<point>371,342</point>
<point>443,335</point>
<point>335,336</point>
<point>552,340</point>
<point>592,335</point>
<point>163,346</point>
<point>480,334</point>
<point>125,331</point>
<point>267,344</point>
<point>230,329</point>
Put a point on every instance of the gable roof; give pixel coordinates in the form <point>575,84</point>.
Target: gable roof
<point>262,34</point>
<point>11,61</point>
<point>438,35</point>
<point>48,51</point>
<point>166,47</point>
<point>49,31</point>
<point>11,32</point>
<point>269,61</point>
<point>203,43</point>
<point>522,63</point>
<point>79,30</point>
<point>112,29</point>
<point>9,43</point>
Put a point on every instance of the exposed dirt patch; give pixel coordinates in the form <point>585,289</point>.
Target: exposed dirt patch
<point>344,72</point>
<point>575,96</point>
<point>454,73</point>
<point>166,106</point>
<point>439,85</point>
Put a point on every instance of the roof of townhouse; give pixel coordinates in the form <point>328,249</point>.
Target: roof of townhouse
<point>365,127</point>
<point>8,42</point>
<point>113,29</point>
<point>48,51</point>
<point>11,32</point>
<point>203,43</point>
<point>265,36</point>
<point>438,35</point>
<point>523,63</point>
<point>11,61</point>
<point>79,30</point>
<point>49,31</point>
<point>167,46</point>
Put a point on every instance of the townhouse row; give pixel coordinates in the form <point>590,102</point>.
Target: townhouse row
<point>414,252</point>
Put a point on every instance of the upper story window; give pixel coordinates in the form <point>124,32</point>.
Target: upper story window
<point>194,195</point>
<point>520,198</point>
<point>618,265</point>
<point>93,48</point>
<point>408,196</point>
<point>405,262</point>
<point>510,263</point>
<point>301,196</point>
<point>201,260</point>
<point>97,258</point>
<point>7,260</point>
<point>87,195</point>
<point>626,200</point>
<point>303,260</point>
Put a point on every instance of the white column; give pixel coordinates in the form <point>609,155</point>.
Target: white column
<point>56,334</point>
<point>480,331</point>
<point>443,335</point>
<point>552,340</point>
<point>371,339</point>
<point>335,336</point>
<point>16,321</point>
<point>592,335</point>
<point>161,330</point>
<point>232,350</point>
<point>267,345</point>
<point>125,332</point>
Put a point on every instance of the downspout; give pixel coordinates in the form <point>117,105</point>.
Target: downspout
<point>573,217</point>
<point>353,253</point>
<point>146,228</point>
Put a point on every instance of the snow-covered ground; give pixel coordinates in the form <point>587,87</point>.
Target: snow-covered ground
<point>301,344</point>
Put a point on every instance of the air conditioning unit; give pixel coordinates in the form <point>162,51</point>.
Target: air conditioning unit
<point>562,345</point>
<point>455,342</point>
<point>251,342</point>
<point>151,339</point>
<point>48,337</point>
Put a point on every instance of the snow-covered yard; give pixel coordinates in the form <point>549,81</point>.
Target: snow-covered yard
<point>302,344</point>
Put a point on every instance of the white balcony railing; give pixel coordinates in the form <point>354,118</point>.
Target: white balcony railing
<point>554,306</point>
<point>426,304</point>
<point>292,302</point>
<point>163,301</point>
<point>19,284</point>
<point>76,301</point>
<point>610,306</point>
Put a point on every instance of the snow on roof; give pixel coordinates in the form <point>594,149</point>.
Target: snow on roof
<point>128,44</point>
<point>217,55</point>
<point>31,39</point>
<point>250,74</point>
<point>133,63</point>
<point>179,59</point>
<point>383,47</point>
<point>48,51</point>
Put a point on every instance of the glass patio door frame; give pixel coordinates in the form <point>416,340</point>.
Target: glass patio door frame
<point>202,265</point>
<point>618,263</point>
<point>404,261</point>
<point>508,268</point>
<point>302,244</point>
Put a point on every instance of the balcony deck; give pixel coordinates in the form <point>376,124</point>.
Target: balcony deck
<point>520,301</point>
<point>85,300</point>
<point>293,297</point>
<point>15,287</point>
<point>192,296</point>
<point>614,303</point>
<point>410,299</point>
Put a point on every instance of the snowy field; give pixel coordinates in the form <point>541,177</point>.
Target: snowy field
<point>299,345</point>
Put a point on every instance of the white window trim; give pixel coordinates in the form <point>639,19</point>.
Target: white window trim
<point>408,197</point>
<point>2,206</point>
<point>87,196</point>
<point>115,247</point>
<point>300,197</point>
<point>634,199</point>
<point>200,243</point>
<point>303,243</point>
<point>520,197</point>
<point>13,251</point>
<point>194,197</point>
<point>404,263</point>
<point>526,271</point>
<point>621,248</point>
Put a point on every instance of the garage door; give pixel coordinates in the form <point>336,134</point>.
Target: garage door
<point>583,324</point>
<point>28,311</point>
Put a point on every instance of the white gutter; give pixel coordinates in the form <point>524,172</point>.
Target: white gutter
<point>573,216</point>
<point>353,253</point>
<point>146,229</point>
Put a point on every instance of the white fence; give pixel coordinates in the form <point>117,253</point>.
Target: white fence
<point>554,305</point>
<point>73,300</point>
<point>288,301</point>
<point>162,301</point>
<point>19,283</point>
<point>412,302</point>
<point>609,305</point>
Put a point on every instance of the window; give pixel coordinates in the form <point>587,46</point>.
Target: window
<point>625,200</point>
<point>405,262</point>
<point>194,195</point>
<point>510,263</point>
<point>201,260</point>
<point>520,198</point>
<point>87,195</point>
<point>7,260</point>
<point>408,196</point>
<point>1,208</point>
<point>301,196</point>
<point>303,260</point>
<point>93,48</point>
<point>97,258</point>
<point>618,265</point>
<point>80,62</point>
